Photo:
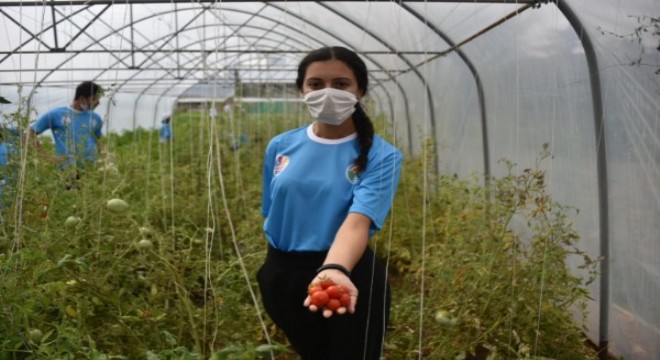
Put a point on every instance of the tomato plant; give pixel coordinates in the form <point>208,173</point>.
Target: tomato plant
<point>168,277</point>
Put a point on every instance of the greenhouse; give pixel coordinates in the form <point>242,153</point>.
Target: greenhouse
<point>525,225</point>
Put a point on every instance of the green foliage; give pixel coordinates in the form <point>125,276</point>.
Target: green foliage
<point>493,279</point>
<point>493,257</point>
<point>90,288</point>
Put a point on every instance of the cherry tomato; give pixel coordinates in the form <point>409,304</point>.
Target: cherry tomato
<point>334,291</point>
<point>319,299</point>
<point>314,288</point>
<point>345,299</point>
<point>333,304</point>
<point>326,282</point>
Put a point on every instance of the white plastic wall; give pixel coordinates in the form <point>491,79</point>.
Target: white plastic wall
<point>537,90</point>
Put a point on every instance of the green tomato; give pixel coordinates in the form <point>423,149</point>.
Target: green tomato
<point>72,221</point>
<point>35,335</point>
<point>117,205</point>
<point>443,317</point>
<point>146,231</point>
<point>145,244</point>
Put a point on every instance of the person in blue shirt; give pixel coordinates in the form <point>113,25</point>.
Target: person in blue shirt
<point>165,130</point>
<point>327,187</point>
<point>8,156</point>
<point>76,129</point>
<point>5,149</point>
<point>8,144</point>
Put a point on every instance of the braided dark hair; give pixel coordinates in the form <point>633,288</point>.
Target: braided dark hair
<point>363,125</point>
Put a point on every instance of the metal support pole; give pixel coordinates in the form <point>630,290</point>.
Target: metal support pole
<point>601,168</point>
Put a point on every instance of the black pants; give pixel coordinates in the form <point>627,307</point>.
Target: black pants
<point>283,280</point>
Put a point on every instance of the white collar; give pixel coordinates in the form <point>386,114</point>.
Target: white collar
<point>320,140</point>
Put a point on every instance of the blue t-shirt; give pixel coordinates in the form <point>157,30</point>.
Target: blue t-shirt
<point>7,174</point>
<point>8,151</point>
<point>5,150</point>
<point>165,132</point>
<point>309,187</point>
<point>75,133</point>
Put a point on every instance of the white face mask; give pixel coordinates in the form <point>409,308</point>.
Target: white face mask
<point>330,106</point>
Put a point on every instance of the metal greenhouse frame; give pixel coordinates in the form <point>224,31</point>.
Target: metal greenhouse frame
<point>164,65</point>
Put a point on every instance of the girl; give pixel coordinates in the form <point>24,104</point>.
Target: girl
<point>327,187</point>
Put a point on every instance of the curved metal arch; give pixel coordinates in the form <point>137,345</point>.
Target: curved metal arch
<point>426,86</point>
<point>477,79</point>
<point>381,67</point>
<point>601,170</point>
<point>95,41</point>
<point>267,18</point>
<point>284,37</point>
<point>84,2</point>
<point>266,31</point>
<point>215,71</point>
<point>239,26</point>
<point>173,35</point>
<point>55,23</point>
<point>160,97</point>
<point>71,58</point>
<point>252,15</point>
<point>390,102</point>
<point>294,29</point>
<point>36,36</point>
<point>184,47</point>
<point>163,94</point>
<point>151,42</point>
<point>117,30</point>
<point>143,92</point>
<point>200,26</point>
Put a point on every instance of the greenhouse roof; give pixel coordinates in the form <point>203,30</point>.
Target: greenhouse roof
<point>162,47</point>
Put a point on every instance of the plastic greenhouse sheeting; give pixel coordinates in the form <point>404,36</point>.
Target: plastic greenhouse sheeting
<point>522,75</point>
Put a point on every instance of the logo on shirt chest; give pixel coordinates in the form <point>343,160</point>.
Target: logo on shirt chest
<point>281,162</point>
<point>351,174</point>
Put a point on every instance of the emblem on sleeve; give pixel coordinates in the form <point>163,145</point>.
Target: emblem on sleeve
<point>281,162</point>
<point>351,174</point>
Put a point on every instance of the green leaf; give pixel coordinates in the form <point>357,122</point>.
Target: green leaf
<point>225,353</point>
<point>4,101</point>
<point>63,260</point>
<point>169,338</point>
<point>152,356</point>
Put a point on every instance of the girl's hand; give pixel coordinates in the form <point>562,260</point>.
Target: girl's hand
<point>337,278</point>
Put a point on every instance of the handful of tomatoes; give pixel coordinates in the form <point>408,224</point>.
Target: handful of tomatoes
<point>326,295</point>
